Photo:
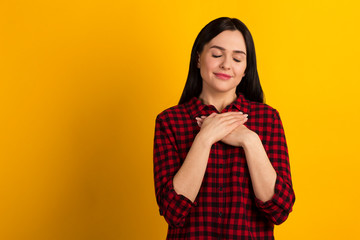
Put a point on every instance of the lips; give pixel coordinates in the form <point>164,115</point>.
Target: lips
<point>222,76</point>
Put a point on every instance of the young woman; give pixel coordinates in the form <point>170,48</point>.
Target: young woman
<point>221,164</point>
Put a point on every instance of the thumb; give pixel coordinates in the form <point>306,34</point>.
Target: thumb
<point>212,114</point>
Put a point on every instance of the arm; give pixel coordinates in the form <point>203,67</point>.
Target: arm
<point>263,174</point>
<point>177,186</point>
<point>270,173</point>
<point>187,181</point>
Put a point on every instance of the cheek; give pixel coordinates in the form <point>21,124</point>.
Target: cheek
<point>211,63</point>
<point>241,69</point>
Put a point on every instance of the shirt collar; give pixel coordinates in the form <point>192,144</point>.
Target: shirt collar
<point>197,108</point>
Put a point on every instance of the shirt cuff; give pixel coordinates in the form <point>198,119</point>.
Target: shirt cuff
<point>272,206</point>
<point>176,206</point>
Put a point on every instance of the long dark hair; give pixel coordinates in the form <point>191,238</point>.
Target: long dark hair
<point>249,85</point>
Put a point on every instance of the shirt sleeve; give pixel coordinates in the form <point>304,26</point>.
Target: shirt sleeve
<point>174,207</point>
<point>278,208</point>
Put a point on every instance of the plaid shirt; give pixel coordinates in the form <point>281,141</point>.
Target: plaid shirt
<point>226,206</point>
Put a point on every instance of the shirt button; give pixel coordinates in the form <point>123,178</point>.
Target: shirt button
<point>220,213</point>
<point>220,189</point>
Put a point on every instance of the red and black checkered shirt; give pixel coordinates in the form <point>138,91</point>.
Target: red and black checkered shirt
<point>226,206</point>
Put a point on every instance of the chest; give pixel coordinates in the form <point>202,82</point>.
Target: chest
<point>186,132</point>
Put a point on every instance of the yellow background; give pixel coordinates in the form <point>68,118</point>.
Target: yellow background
<point>81,83</point>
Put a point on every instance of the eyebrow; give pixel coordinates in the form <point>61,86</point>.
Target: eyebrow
<point>221,48</point>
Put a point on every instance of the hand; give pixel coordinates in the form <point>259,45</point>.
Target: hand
<point>238,136</point>
<point>216,126</point>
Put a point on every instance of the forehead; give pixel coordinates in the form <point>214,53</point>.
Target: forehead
<point>230,40</point>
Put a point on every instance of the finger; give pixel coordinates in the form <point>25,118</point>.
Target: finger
<point>224,118</point>
<point>234,121</point>
<point>233,117</point>
<point>231,113</point>
<point>231,126</point>
<point>236,124</point>
<point>242,120</point>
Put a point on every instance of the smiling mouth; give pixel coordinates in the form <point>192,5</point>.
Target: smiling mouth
<point>222,76</point>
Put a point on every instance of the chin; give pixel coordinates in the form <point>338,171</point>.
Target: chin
<point>224,89</point>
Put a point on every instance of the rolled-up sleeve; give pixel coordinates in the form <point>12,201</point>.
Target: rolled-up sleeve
<point>280,205</point>
<point>174,207</point>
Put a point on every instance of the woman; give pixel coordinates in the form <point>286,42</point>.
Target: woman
<point>221,164</point>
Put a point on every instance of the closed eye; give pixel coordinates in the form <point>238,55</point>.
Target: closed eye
<point>217,56</point>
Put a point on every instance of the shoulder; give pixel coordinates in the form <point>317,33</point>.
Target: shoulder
<point>263,110</point>
<point>172,113</point>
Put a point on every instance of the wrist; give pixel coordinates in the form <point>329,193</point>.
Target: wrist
<point>204,140</point>
<point>250,140</point>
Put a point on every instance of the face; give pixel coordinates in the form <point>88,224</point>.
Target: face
<point>222,62</point>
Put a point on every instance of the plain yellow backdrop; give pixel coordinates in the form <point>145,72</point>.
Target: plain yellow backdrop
<point>81,83</point>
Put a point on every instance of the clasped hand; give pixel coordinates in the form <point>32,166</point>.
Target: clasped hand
<point>226,127</point>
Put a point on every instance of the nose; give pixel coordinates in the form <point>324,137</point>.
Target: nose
<point>226,63</point>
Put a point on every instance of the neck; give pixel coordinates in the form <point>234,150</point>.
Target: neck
<point>218,100</point>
